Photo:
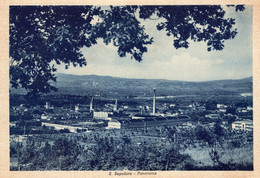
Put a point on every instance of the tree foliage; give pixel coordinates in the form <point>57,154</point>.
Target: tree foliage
<point>41,36</point>
<point>98,151</point>
<point>213,137</point>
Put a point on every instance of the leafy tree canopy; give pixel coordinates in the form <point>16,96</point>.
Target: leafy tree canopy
<point>41,35</point>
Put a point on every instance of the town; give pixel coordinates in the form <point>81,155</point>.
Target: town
<point>161,122</point>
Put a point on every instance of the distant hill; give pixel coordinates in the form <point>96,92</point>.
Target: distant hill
<point>106,85</point>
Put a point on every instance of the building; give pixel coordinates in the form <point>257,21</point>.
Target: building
<point>249,108</point>
<point>73,129</point>
<point>77,108</point>
<point>223,110</point>
<point>147,122</point>
<point>245,125</point>
<point>114,124</point>
<point>212,116</point>
<point>221,106</point>
<point>100,115</point>
<point>45,117</point>
<point>142,116</point>
<point>132,111</point>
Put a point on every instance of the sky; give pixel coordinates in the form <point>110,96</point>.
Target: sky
<point>163,61</point>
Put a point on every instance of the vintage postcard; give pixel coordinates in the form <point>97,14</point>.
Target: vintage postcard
<point>129,89</point>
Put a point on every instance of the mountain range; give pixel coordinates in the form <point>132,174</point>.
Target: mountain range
<point>106,85</point>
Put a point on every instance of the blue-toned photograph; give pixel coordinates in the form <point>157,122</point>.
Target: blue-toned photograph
<point>131,88</point>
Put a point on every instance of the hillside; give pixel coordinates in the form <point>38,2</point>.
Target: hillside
<point>105,85</point>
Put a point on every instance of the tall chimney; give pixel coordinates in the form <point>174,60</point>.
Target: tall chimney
<point>115,106</point>
<point>154,101</point>
<point>91,105</point>
<point>47,106</point>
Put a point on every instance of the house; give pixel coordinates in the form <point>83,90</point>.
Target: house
<point>249,108</point>
<point>223,110</point>
<point>212,116</point>
<point>45,117</point>
<point>245,125</point>
<point>221,106</point>
<point>100,115</point>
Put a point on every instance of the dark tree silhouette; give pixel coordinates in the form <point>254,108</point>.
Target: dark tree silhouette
<point>43,35</point>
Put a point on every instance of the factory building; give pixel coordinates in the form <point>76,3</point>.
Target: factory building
<point>147,122</point>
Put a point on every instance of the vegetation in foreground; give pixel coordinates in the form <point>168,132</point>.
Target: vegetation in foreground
<point>125,150</point>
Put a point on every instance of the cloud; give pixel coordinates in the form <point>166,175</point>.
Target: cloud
<point>179,67</point>
<point>183,67</point>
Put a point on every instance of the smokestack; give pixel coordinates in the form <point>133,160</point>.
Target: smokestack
<point>115,106</point>
<point>47,106</point>
<point>154,101</point>
<point>91,105</point>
